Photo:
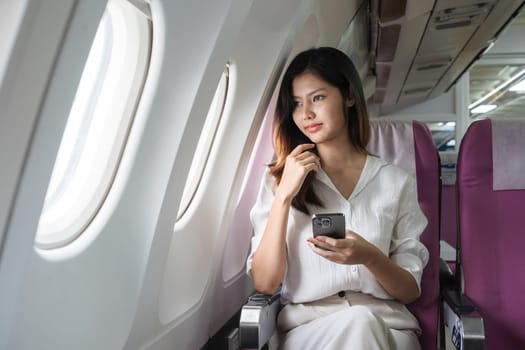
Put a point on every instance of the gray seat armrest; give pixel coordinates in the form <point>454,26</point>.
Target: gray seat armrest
<point>464,323</point>
<point>258,320</point>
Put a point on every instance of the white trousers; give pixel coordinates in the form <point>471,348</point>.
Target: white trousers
<point>355,321</point>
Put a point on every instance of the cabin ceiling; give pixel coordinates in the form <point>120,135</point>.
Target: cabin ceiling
<point>420,48</point>
<point>498,70</point>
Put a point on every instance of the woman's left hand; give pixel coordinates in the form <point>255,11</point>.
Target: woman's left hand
<point>353,249</point>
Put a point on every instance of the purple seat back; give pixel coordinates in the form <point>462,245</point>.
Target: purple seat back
<point>409,145</point>
<point>492,227</point>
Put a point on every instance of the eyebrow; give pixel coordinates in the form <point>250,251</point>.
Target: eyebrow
<point>311,92</point>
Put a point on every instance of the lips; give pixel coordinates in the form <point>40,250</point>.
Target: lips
<point>313,128</point>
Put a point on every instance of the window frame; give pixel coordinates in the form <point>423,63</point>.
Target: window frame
<point>73,201</point>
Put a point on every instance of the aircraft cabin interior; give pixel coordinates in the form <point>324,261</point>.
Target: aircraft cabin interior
<point>134,136</point>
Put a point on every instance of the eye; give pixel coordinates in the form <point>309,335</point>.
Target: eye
<point>318,98</point>
<point>297,104</point>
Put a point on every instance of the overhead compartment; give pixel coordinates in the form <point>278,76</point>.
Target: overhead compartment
<point>421,53</point>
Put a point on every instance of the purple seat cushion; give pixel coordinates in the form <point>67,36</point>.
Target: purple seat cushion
<point>492,239</point>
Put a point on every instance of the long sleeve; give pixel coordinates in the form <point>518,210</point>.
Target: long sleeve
<point>406,249</point>
<point>259,215</point>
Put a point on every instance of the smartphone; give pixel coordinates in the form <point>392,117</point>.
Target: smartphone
<point>329,224</point>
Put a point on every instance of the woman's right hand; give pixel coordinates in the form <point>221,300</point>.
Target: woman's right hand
<point>298,164</point>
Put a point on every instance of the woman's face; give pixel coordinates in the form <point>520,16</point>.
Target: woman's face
<point>319,109</point>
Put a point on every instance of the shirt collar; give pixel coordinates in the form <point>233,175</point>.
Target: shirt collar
<point>370,169</point>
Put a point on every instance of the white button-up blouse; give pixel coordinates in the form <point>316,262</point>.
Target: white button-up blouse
<point>382,208</point>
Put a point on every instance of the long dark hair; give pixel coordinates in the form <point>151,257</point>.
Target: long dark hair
<point>336,68</point>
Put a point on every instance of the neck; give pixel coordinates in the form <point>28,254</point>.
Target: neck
<point>338,155</point>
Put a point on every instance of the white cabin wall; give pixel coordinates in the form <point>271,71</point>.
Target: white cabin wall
<point>97,280</point>
<point>174,304</point>
<point>38,84</point>
<point>12,15</point>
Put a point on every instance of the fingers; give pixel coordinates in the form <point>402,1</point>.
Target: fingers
<point>301,148</point>
<point>325,243</point>
<point>298,164</point>
<point>318,246</point>
<point>308,160</point>
<point>307,156</point>
<point>342,251</point>
<point>325,251</point>
<point>311,163</point>
<point>352,235</point>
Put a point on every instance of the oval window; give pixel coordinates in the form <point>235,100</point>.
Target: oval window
<point>98,123</point>
<point>205,143</point>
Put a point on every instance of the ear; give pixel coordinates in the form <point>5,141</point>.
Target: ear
<point>350,102</point>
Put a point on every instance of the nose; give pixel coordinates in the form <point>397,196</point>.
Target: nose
<point>307,111</point>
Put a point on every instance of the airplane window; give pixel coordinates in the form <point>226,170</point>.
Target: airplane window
<point>444,135</point>
<point>205,142</point>
<point>98,123</point>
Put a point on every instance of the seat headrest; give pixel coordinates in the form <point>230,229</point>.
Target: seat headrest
<point>508,154</point>
<point>394,142</point>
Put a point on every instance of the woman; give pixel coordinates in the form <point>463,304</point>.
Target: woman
<point>339,293</point>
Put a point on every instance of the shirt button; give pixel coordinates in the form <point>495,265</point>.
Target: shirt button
<point>354,268</point>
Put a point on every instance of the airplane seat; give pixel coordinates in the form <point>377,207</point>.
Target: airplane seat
<point>408,145</point>
<point>491,194</point>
